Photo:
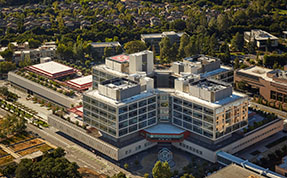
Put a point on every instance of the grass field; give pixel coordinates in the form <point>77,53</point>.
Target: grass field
<point>26,144</point>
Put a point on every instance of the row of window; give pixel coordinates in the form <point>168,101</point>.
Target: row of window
<point>196,116</point>
<point>134,113</point>
<point>138,126</point>
<point>134,120</point>
<point>201,129</point>
<point>100,126</point>
<point>190,105</point>
<point>137,105</point>
<point>190,148</point>
<point>99,104</point>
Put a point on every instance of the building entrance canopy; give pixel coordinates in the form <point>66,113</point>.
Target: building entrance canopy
<point>164,133</point>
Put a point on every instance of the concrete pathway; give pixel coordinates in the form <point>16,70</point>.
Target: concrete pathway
<point>10,151</point>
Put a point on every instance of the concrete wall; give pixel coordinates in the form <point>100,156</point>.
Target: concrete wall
<point>101,146</point>
<point>41,90</point>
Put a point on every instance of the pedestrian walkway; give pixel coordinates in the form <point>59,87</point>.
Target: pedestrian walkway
<point>10,151</point>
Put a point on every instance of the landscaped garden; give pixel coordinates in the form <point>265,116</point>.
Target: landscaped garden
<point>43,147</point>
<point>54,85</point>
<point>24,145</point>
<point>5,160</point>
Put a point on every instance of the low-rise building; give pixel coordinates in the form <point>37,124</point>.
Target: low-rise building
<point>101,46</point>
<point>153,40</point>
<point>261,38</point>
<point>268,83</point>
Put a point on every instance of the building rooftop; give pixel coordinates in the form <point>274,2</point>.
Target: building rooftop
<point>50,68</point>
<point>257,71</point>
<point>217,104</point>
<point>104,68</point>
<point>95,94</point>
<point>235,171</point>
<point>209,85</point>
<point>105,44</point>
<point>214,72</point>
<point>81,80</point>
<point>262,35</point>
<point>164,129</point>
<point>119,83</point>
<point>120,58</point>
<point>201,58</point>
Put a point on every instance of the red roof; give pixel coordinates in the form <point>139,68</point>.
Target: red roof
<point>121,58</point>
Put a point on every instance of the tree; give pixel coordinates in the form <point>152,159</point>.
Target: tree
<point>146,175</point>
<point>7,66</point>
<point>236,63</point>
<point>7,54</point>
<point>134,46</point>
<point>34,43</point>
<point>184,40</point>
<point>168,51</point>
<point>237,42</point>
<point>49,166</point>
<point>126,165</point>
<point>161,170</point>
<point>223,23</point>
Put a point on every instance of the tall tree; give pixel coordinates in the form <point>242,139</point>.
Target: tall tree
<point>161,170</point>
<point>165,50</point>
<point>237,42</point>
<point>184,40</point>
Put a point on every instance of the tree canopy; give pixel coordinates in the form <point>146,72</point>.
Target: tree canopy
<point>161,170</point>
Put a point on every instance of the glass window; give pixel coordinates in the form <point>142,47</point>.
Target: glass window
<point>197,115</point>
<point>197,107</point>
<point>142,117</point>
<point>177,107</point>
<point>187,125</point>
<point>142,124</point>
<point>142,110</point>
<point>151,121</point>
<point>133,106</point>
<point>208,111</point>
<point>111,109</point>
<point>197,122</point>
<point>123,124</point>
<point>133,121</point>
<point>123,109</point>
<point>177,114</point>
<point>151,100</point>
<point>208,126</point>
<point>123,132</point>
<point>142,103</point>
<point>208,134</point>
<point>187,104</point>
<point>151,114</point>
<point>133,114</point>
<point>187,118</point>
<point>177,101</point>
<point>208,118</point>
<point>151,107</point>
<point>177,121</point>
<point>187,111</point>
<point>123,117</point>
<point>197,129</point>
<point>133,128</point>
<point>112,131</point>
